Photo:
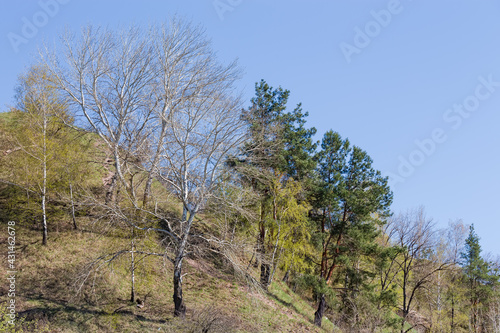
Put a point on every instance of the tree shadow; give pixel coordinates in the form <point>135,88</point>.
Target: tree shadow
<point>290,306</point>
<point>80,315</point>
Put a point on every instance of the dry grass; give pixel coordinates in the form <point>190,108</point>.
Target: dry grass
<point>47,297</point>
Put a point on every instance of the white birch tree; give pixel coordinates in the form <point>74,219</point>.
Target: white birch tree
<point>162,103</point>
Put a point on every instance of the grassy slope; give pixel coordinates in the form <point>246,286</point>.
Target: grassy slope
<point>47,284</point>
<point>46,292</point>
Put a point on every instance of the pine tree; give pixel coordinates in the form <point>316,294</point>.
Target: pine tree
<point>479,278</point>
<point>353,200</point>
<point>279,150</point>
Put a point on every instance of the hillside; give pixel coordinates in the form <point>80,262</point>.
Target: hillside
<point>52,296</point>
<point>47,296</point>
<point>137,194</point>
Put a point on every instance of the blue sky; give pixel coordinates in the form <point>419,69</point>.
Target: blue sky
<point>414,83</point>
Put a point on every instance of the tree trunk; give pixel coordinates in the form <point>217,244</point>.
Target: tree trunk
<point>44,221</point>
<point>318,315</point>
<point>149,182</point>
<point>132,190</point>
<point>265,274</point>
<point>184,213</point>
<point>147,191</point>
<point>265,269</point>
<point>44,186</point>
<point>275,261</point>
<point>257,250</point>
<point>180,308</point>
<point>116,176</point>
<point>452,314</point>
<point>132,269</point>
<point>474,317</point>
<point>44,208</point>
<point>287,274</point>
<point>403,320</point>
<point>111,190</point>
<point>72,207</point>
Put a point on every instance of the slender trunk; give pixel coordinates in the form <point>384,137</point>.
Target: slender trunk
<point>318,315</point>
<point>439,306</point>
<point>111,190</point>
<point>110,195</point>
<point>27,200</point>
<point>44,186</point>
<point>273,258</point>
<point>147,190</point>
<point>287,275</point>
<point>72,207</point>
<point>275,267</point>
<point>44,213</point>
<point>265,274</point>
<point>250,262</point>
<point>117,194</point>
<point>118,166</point>
<point>179,307</point>
<point>184,213</point>
<point>452,314</point>
<point>406,307</point>
<point>132,269</point>
<point>265,269</point>
<point>474,317</point>
<point>149,182</point>
<point>406,312</point>
<point>132,189</point>
<point>337,251</point>
<point>257,255</point>
<point>324,253</point>
<point>403,320</point>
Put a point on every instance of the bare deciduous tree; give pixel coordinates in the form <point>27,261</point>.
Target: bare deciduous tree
<point>414,233</point>
<point>166,109</point>
<point>199,139</point>
<point>107,78</point>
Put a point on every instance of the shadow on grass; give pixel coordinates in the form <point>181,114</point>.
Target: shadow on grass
<point>291,306</point>
<point>54,307</point>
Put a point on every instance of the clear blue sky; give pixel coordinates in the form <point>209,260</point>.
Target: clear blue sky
<point>385,74</point>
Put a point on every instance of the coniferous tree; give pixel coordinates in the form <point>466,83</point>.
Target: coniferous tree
<point>353,201</point>
<point>479,279</point>
<point>279,148</point>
